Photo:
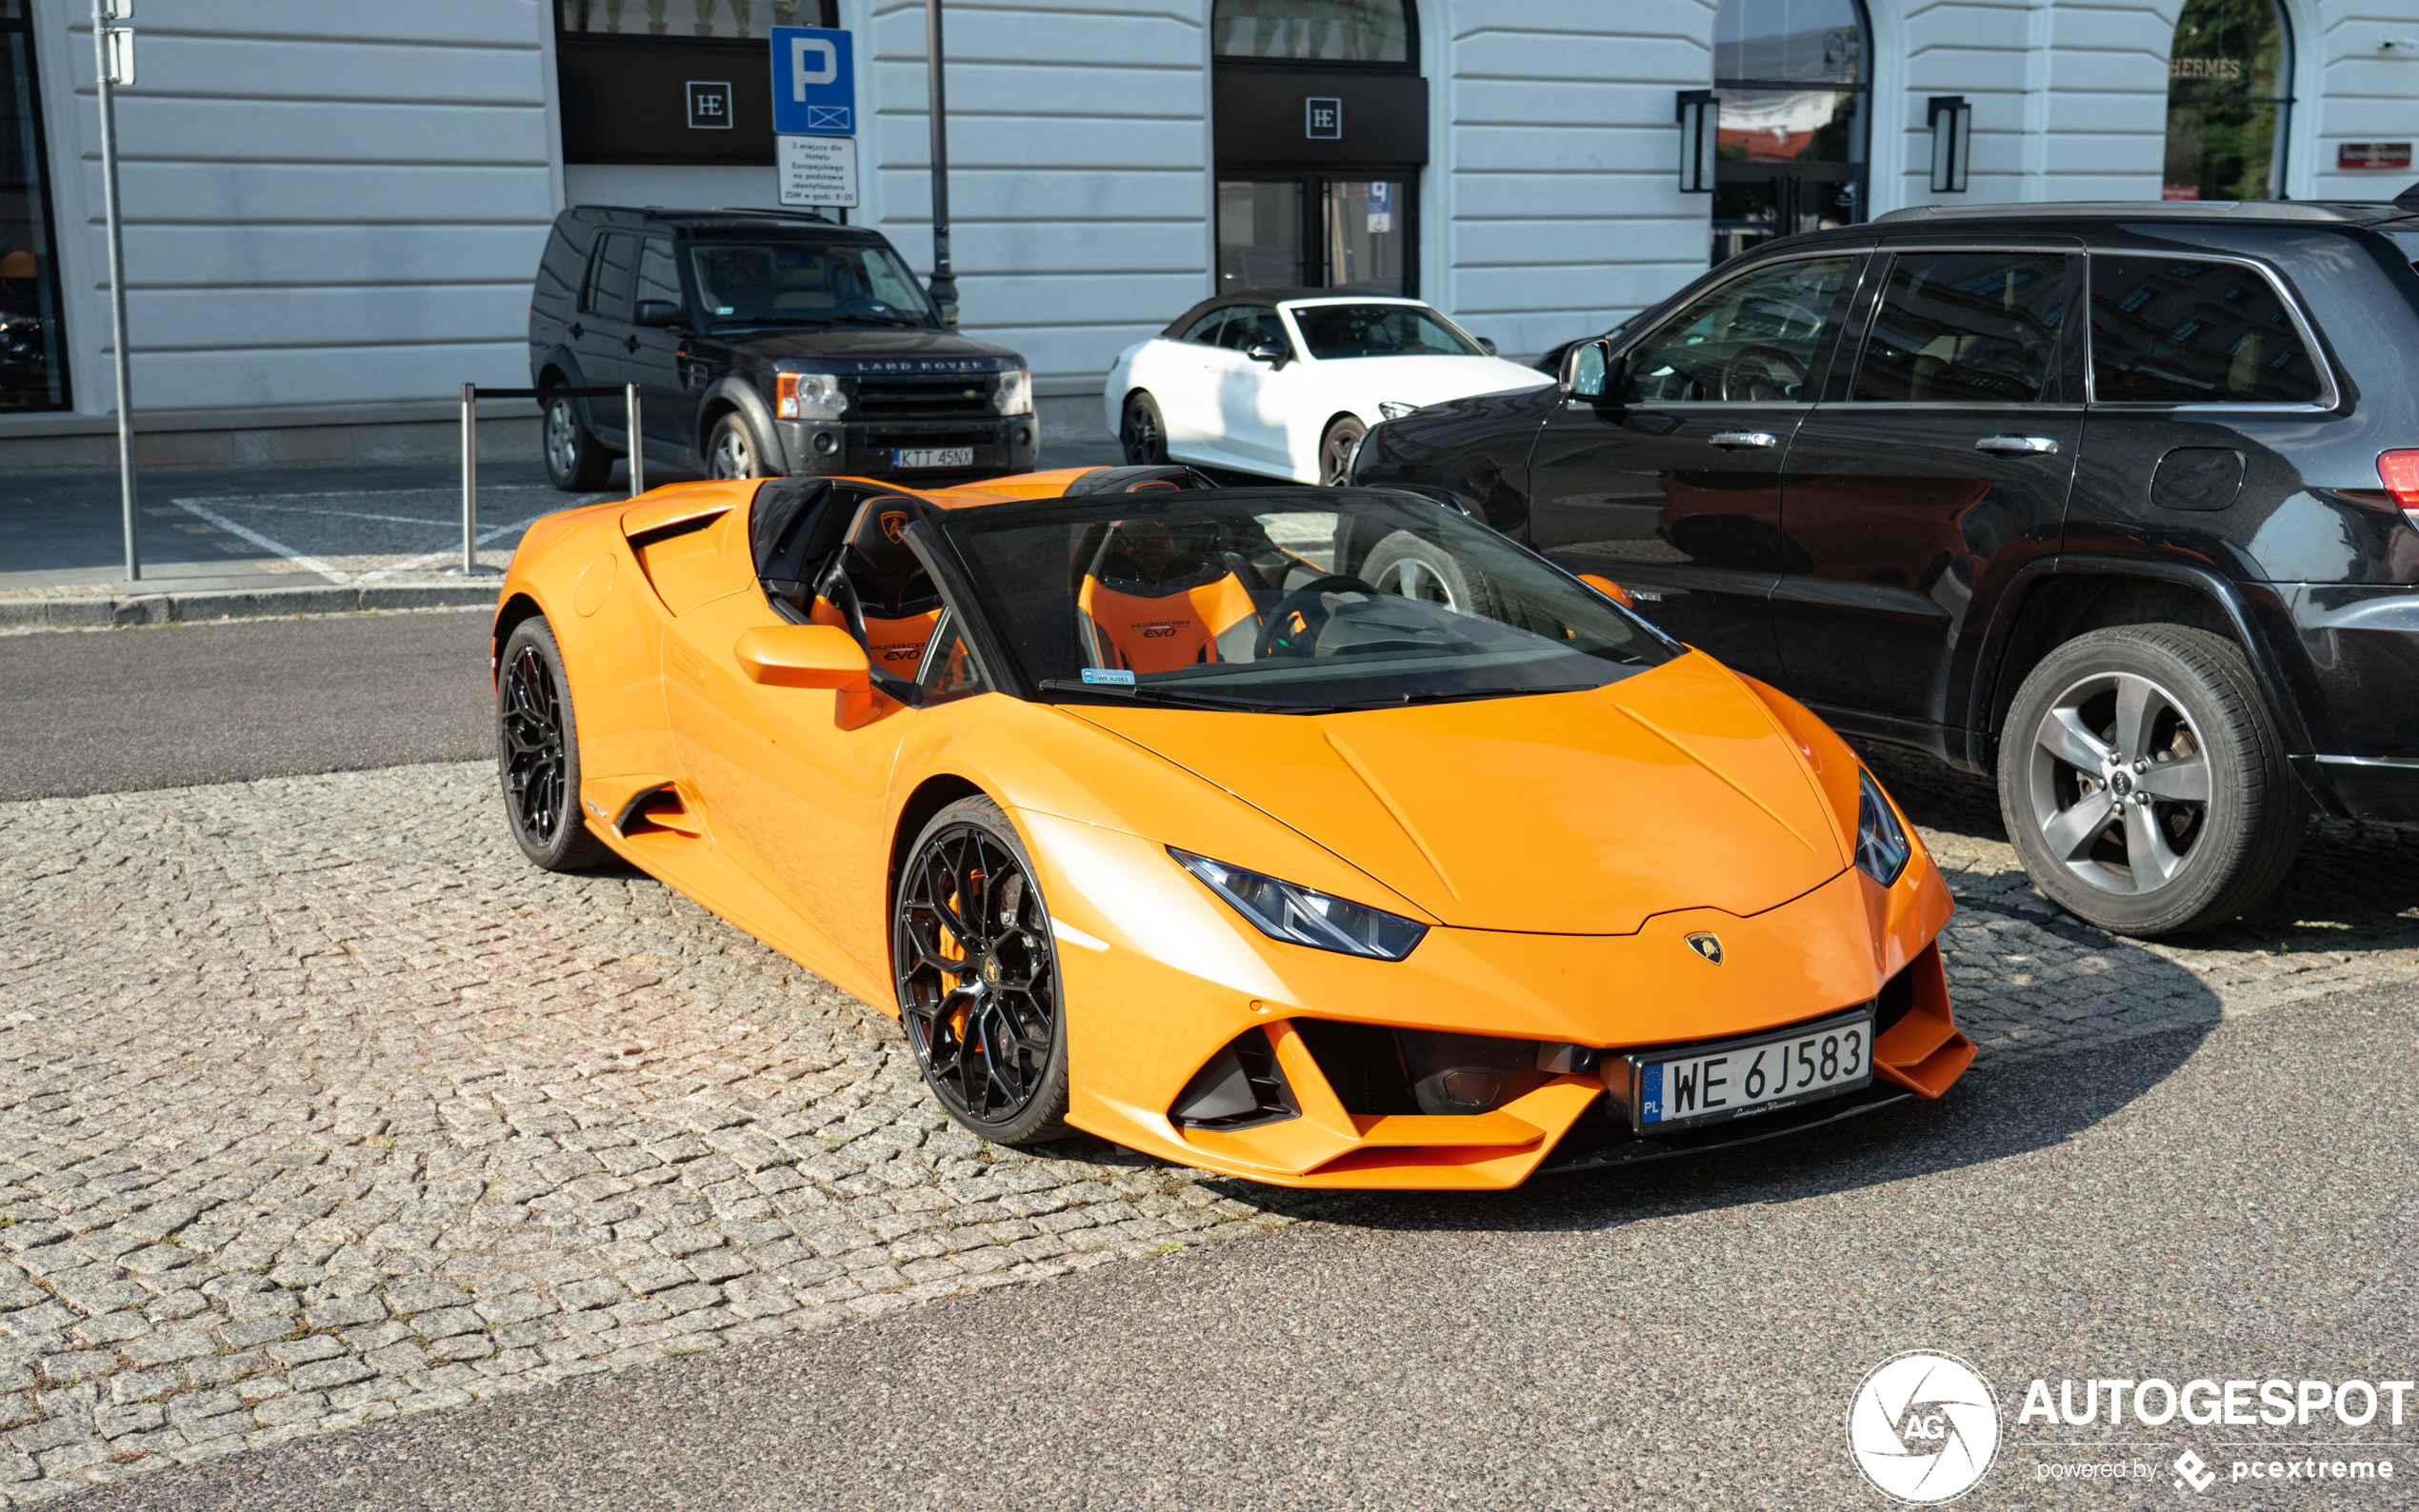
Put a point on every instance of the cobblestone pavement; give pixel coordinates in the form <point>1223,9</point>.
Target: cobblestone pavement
<point>317,1104</point>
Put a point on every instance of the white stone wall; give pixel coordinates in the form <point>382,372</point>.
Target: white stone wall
<point>1552,200</point>
<point>339,205</point>
<point>2353,88</point>
<point>326,203</point>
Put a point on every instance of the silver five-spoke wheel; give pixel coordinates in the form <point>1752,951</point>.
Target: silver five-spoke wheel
<point>2120,781</point>
<point>2144,783</point>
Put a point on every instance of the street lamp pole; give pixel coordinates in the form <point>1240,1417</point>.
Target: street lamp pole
<point>944,281</point>
<point>110,47</point>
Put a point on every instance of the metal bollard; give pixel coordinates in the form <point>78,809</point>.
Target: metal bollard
<point>637,442</point>
<point>470,567</point>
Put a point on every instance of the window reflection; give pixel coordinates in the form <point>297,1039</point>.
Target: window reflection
<point>732,20</point>
<point>1312,30</point>
<point>2228,101</point>
<point>1793,120</point>
<point>1789,42</point>
<point>32,375</point>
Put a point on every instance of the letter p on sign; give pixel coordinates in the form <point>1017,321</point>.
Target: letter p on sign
<point>811,61</point>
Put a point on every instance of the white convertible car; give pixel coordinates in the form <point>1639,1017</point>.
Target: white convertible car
<point>1285,382</point>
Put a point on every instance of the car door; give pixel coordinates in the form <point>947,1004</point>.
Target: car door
<point>1941,465</point>
<point>1669,484</point>
<point>1247,419</point>
<point>667,409</point>
<point>1177,374</point>
<point>799,777</point>
<point>601,335</point>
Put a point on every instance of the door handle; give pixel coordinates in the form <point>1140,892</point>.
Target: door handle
<point>631,344</point>
<point>576,331</point>
<point>1744,440</point>
<point>2018,446</point>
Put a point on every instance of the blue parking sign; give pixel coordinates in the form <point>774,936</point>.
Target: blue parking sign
<point>814,83</point>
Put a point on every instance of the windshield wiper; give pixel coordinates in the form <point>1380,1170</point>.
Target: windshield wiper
<point>878,320</point>
<point>1158,693</point>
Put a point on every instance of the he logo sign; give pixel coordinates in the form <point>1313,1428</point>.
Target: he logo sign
<point>1323,119</point>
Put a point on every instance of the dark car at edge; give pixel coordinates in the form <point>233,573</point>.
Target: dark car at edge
<point>2118,503</point>
<point>763,343</point>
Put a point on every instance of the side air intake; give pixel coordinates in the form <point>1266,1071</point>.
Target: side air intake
<point>1240,1088</point>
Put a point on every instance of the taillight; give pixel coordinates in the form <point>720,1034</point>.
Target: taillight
<point>2400,472</point>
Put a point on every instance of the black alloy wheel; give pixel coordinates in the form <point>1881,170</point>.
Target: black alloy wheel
<point>1337,449</point>
<point>1143,433</point>
<point>537,753</point>
<point>977,974</point>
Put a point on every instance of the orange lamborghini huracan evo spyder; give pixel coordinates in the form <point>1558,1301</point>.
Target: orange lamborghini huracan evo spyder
<point>1321,836</point>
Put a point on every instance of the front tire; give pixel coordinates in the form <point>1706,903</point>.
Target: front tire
<point>537,753</point>
<point>976,967</point>
<point>1336,450</point>
<point>576,462</point>
<point>733,452</point>
<point>2144,783</point>
<point>1143,432</point>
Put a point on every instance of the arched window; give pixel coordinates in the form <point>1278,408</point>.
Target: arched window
<point>2228,101</point>
<point>1795,84</point>
<point>1312,30</point>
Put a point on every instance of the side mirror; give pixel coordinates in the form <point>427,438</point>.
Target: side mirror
<point>804,656</point>
<point>656,312</point>
<point>1268,351</point>
<point>1609,588</point>
<point>1486,345</point>
<point>1586,370</point>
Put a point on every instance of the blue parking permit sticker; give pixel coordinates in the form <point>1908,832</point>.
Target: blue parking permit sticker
<point>1651,1095</point>
<point>1110,675</point>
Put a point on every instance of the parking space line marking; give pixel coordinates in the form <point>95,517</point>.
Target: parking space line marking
<point>448,553</point>
<point>309,564</point>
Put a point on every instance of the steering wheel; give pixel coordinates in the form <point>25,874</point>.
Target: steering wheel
<point>1280,636</point>
<point>863,305</point>
<point>1785,362</point>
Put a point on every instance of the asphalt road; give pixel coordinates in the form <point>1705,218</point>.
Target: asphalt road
<point>1686,1336</point>
<point>177,704</point>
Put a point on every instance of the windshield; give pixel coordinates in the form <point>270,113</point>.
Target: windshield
<point>1225,599</point>
<point>800,283</point>
<point>1333,331</point>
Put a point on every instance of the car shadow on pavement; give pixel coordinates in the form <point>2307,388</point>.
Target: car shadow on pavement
<point>1994,1113</point>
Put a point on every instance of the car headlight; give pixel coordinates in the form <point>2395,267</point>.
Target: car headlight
<point>1015,395</point>
<point>1882,846</point>
<point>1394,409</point>
<point>1298,915</point>
<point>808,396</point>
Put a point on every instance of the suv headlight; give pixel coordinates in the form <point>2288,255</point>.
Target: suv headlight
<point>1298,915</point>
<point>1882,846</point>
<point>1394,409</point>
<point>1015,395</point>
<point>808,396</point>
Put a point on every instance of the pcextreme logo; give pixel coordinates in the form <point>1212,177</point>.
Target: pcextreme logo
<point>1924,1427</point>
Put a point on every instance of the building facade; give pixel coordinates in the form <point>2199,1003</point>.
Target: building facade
<point>332,211</point>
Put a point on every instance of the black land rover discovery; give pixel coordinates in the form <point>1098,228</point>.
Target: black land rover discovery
<point>763,343</point>
<point>2119,503</point>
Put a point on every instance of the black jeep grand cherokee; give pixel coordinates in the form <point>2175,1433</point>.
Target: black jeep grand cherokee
<point>2120,502</point>
<point>763,343</point>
